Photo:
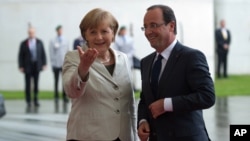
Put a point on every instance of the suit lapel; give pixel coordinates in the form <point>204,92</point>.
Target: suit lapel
<point>151,62</point>
<point>118,65</point>
<point>27,47</point>
<point>38,47</point>
<point>101,69</point>
<point>147,72</point>
<point>173,58</point>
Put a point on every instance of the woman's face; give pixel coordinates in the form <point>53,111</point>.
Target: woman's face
<point>100,37</point>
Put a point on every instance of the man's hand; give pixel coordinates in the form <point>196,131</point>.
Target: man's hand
<point>157,108</point>
<point>143,131</point>
<point>21,70</point>
<point>226,46</point>
<point>44,67</point>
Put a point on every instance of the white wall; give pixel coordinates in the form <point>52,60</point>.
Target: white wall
<point>193,16</point>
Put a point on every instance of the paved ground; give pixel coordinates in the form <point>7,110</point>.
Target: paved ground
<point>48,123</point>
<point>44,124</point>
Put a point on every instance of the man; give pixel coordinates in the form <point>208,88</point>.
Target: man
<point>57,49</point>
<point>124,43</point>
<point>79,41</point>
<point>223,39</point>
<point>31,60</point>
<point>171,104</point>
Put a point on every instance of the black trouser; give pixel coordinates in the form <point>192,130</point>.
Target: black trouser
<point>57,72</point>
<point>222,60</point>
<point>35,75</point>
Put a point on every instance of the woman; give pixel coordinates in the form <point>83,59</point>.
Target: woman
<point>97,79</point>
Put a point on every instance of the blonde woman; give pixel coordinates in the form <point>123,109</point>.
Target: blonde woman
<point>97,79</point>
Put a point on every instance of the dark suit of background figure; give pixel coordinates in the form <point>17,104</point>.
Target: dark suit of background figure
<point>31,68</point>
<point>222,48</point>
<point>78,42</point>
<point>172,111</point>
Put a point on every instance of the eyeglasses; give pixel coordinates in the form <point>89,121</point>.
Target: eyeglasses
<point>152,26</point>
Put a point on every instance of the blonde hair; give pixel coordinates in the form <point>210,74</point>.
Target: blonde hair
<point>95,17</point>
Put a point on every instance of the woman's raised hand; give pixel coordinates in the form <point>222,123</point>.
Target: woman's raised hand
<point>86,60</point>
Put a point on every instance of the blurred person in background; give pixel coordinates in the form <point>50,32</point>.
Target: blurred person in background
<point>31,60</point>
<point>97,79</point>
<point>79,41</point>
<point>223,39</point>
<point>58,47</point>
<point>125,44</point>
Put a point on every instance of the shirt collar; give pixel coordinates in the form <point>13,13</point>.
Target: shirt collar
<point>166,52</point>
<point>223,29</point>
<point>32,40</point>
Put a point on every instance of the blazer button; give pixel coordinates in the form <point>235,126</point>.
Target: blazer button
<point>116,87</point>
<point>117,111</point>
<point>116,99</point>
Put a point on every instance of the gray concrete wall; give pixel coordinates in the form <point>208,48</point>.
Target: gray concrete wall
<point>193,16</point>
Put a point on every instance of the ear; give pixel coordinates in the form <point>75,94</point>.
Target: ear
<point>172,25</point>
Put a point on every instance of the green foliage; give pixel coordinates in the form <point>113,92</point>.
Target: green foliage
<point>231,86</point>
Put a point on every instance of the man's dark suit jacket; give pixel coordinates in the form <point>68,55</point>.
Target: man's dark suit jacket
<point>220,41</point>
<point>185,79</point>
<point>25,59</point>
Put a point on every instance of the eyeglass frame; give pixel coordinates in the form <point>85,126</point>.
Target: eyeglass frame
<point>152,26</point>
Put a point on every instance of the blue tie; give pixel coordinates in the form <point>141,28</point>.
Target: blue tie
<point>155,75</point>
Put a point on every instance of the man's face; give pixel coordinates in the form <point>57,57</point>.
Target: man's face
<point>31,33</point>
<point>222,23</point>
<point>157,31</point>
<point>59,31</point>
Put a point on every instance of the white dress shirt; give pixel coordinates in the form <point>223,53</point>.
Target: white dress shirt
<point>168,106</point>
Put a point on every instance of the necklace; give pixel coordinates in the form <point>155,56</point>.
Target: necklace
<point>106,60</point>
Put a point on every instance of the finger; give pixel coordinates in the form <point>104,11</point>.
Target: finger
<point>93,50</point>
<point>155,116</point>
<point>146,128</point>
<point>150,106</point>
<point>92,53</point>
<point>154,113</point>
<point>144,136</point>
<point>80,50</point>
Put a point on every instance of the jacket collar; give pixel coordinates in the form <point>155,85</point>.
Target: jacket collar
<point>101,69</point>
